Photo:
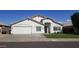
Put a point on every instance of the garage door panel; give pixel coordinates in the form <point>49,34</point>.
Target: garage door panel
<point>23,30</point>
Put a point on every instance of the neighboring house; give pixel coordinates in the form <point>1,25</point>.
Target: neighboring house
<point>35,25</point>
<point>4,29</point>
<point>68,27</point>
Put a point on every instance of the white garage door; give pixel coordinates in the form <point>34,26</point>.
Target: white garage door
<point>22,30</point>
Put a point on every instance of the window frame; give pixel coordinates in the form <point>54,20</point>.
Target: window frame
<point>56,28</point>
<point>38,28</point>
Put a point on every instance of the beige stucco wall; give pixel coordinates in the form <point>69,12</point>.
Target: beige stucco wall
<point>52,25</point>
<point>27,23</point>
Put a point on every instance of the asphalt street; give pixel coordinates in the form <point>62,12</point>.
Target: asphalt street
<point>46,44</point>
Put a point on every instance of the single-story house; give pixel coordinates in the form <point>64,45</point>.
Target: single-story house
<point>4,29</point>
<point>35,25</point>
<point>68,27</point>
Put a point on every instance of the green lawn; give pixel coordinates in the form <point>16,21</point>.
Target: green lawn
<point>61,35</point>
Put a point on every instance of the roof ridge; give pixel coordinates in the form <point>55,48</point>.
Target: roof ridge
<point>52,20</point>
<point>39,15</point>
<point>20,21</point>
<point>37,21</point>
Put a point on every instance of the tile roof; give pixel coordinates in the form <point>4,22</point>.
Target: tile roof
<point>30,18</point>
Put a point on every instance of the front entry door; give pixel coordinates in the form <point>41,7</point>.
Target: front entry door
<point>47,29</point>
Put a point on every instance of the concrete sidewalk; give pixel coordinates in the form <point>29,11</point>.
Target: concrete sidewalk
<point>65,39</point>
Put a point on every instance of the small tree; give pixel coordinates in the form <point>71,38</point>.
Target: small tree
<point>75,22</point>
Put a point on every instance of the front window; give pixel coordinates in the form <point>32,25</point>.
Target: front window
<point>38,28</point>
<point>56,28</point>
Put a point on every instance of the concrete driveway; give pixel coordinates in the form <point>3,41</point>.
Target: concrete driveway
<point>23,38</point>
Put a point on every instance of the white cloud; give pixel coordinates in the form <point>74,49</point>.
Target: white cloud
<point>68,20</point>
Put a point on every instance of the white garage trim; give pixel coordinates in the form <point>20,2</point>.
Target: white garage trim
<point>22,30</point>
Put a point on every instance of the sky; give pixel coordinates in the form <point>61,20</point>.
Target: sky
<point>10,16</point>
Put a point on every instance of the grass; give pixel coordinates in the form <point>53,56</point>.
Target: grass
<point>61,35</point>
